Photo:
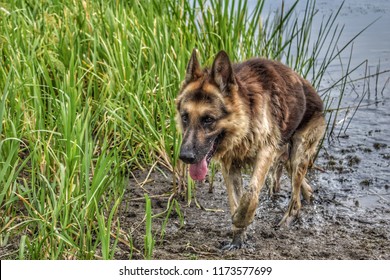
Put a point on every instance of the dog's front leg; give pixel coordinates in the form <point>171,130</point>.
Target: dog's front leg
<point>245,212</point>
<point>233,181</point>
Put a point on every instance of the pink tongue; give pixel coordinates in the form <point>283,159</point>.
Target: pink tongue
<point>198,171</point>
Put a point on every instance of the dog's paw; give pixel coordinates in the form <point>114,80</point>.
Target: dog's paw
<point>290,216</point>
<point>287,221</point>
<point>239,235</point>
<point>230,246</point>
<point>235,244</point>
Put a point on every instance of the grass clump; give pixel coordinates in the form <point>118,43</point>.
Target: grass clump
<point>87,94</point>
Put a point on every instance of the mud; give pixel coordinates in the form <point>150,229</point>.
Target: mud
<point>349,222</point>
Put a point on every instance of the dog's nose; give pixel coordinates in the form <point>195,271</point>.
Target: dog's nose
<point>187,156</point>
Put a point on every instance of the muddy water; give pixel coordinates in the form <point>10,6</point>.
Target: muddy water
<point>360,158</point>
<point>350,215</point>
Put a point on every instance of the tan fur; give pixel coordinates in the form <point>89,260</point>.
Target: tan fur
<point>258,113</point>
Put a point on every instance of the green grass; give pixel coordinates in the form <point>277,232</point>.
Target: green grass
<point>87,94</point>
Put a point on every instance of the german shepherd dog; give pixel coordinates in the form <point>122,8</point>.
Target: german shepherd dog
<point>258,113</point>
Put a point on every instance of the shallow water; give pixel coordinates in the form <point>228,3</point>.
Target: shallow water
<point>364,148</point>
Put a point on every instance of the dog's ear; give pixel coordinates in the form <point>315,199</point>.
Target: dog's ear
<point>193,68</point>
<point>222,72</point>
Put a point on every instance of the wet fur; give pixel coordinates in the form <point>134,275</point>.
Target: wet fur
<point>264,115</point>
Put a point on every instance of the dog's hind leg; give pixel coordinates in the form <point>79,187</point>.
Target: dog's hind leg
<point>273,178</point>
<point>297,174</point>
<point>275,172</point>
<point>304,147</point>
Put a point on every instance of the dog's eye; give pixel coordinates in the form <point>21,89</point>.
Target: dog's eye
<point>206,121</point>
<point>184,118</point>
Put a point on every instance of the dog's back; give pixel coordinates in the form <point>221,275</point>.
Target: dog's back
<point>294,101</point>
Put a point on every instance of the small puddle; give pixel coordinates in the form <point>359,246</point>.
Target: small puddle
<point>369,201</point>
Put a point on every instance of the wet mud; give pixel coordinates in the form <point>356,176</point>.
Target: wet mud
<point>348,219</point>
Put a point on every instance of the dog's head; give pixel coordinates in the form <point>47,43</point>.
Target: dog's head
<point>202,111</point>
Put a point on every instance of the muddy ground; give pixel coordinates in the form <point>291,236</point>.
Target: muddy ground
<point>349,219</point>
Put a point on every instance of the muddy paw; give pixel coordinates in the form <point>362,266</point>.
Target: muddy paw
<point>291,215</point>
<point>287,221</point>
<point>235,244</point>
<point>230,246</point>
